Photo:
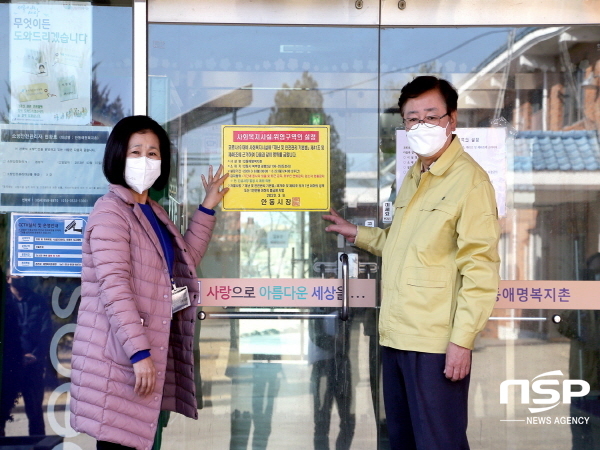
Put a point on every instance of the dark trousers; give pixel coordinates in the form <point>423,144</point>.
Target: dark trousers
<point>331,381</point>
<point>105,445</point>
<point>33,395</point>
<point>424,410</point>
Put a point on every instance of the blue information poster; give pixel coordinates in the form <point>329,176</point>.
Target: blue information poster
<point>46,244</point>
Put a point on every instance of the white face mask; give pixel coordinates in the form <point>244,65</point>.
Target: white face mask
<point>141,173</point>
<point>426,141</point>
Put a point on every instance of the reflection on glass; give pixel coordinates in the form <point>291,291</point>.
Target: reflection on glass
<point>284,384</point>
<point>255,372</point>
<point>36,313</point>
<point>35,355</point>
<point>25,357</point>
<point>269,76</point>
<point>266,382</point>
<point>583,328</point>
<point>542,86</point>
<point>331,381</point>
<point>112,70</point>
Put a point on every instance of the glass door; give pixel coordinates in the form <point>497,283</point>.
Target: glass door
<point>540,85</point>
<point>282,365</point>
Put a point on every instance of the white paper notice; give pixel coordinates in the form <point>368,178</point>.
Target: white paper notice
<point>487,146</point>
<point>50,63</point>
<point>51,168</point>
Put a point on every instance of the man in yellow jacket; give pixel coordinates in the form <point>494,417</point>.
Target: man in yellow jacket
<point>439,274</point>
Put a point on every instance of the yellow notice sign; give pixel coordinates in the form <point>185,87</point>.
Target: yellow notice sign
<point>276,168</point>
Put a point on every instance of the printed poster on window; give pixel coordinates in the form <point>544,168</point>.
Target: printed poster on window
<point>51,168</point>
<point>50,63</point>
<point>48,245</point>
<point>276,168</point>
<point>487,146</point>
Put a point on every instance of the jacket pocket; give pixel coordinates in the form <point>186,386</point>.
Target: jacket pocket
<point>439,219</point>
<point>403,201</point>
<point>144,317</point>
<point>427,300</point>
<point>400,208</point>
<point>426,283</point>
<point>441,205</point>
<point>114,350</point>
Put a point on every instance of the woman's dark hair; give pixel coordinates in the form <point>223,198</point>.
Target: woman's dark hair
<point>427,83</point>
<point>115,153</point>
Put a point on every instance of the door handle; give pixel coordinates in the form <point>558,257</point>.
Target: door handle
<point>265,315</point>
<point>345,313</point>
<point>322,268</point>
<point>524,319</point>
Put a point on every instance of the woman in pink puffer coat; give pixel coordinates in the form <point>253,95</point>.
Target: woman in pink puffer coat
<point>132,356</point>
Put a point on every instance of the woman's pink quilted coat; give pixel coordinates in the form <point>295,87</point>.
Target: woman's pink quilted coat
<point>126,307</point>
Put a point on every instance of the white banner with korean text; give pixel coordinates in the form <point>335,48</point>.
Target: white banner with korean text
<point>327,292</point>
<point>548,294</point>
<point>285,292</point>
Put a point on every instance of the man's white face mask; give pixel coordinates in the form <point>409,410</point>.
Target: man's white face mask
<point>141,173</point>
<point>425,140</point>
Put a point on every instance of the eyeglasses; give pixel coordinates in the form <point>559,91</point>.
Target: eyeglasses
<point>428,121</point>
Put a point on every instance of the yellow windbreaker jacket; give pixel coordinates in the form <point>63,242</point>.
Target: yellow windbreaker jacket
<point>440,259</point>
